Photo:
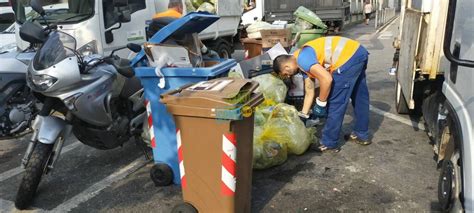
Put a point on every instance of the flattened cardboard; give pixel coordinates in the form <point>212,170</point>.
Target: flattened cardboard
<point>212,98</point>
<point>272,37</point>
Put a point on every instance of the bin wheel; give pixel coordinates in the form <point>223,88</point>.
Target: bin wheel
<point>184,208</point>
<point>161,174</point>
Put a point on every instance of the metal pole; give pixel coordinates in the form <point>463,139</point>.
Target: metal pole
<point>378,13</point>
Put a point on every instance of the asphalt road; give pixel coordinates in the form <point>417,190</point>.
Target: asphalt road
<point>395,173</point>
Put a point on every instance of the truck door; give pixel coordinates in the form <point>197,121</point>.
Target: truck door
<point>458,85</point>
<point>133,31</point>
<point>410,36</point>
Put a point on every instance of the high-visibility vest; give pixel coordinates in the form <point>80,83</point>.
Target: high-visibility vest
<point>171,13</point>
<point>333,51</point>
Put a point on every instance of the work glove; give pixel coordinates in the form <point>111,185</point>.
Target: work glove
<point>319,109</point>
<point>303,117</point>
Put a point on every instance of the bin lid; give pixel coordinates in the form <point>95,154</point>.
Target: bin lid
<point>309,16</point>
<point>194,22</point>
<point>219,98</point>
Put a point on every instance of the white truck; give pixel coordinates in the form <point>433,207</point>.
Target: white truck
<point>96,26</point>
<point>335,13</point>
<point>435,78</point>
<point>6,14</point>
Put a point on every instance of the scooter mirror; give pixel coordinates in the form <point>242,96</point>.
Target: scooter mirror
<point>37,7</point>
<point>134,47</point>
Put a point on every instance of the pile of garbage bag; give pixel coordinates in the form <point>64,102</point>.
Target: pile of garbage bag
<point>201,6</point>
<point>274,89</point>
<point>278,132</point>
<point>253,31</point>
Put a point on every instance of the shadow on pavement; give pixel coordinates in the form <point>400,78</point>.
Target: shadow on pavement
<point>268,183</point>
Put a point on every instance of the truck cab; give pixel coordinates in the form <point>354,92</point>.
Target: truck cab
<point>103,25</point>
<point>455,137</point>
<point>435,78</point>
<point>98,25</point>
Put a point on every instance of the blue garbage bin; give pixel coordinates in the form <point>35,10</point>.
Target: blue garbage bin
<point>161,123</point>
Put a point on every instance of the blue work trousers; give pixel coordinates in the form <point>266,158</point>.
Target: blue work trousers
<point>349,82</point>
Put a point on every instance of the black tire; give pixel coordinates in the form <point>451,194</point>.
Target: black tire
<point>450,185</point>
<point>33,173</point>
<point>400,102</point>
<point>224,51</point>
<point>184,208</point>
<point>161,174</point>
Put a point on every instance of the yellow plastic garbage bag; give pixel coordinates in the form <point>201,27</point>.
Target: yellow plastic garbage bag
<point>273,88</point>
<point>292,130</point>
<point>261,115</point>
<point>278,132</point>
<point>266,150</point>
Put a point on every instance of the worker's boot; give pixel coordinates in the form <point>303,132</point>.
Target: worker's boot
<point>353,138</point>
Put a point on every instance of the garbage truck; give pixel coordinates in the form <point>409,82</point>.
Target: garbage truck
<point>335,13</point>
<point>435,75</point>
<point>103,25</point>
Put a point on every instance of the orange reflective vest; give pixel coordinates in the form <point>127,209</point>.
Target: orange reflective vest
<point>172,13</point>
<point>333,51</point>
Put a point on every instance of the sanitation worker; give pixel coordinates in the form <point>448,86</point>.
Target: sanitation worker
<point>339,65</point>
<point>175,10</point>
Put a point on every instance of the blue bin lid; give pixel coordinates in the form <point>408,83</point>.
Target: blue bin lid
<point>194,22</point>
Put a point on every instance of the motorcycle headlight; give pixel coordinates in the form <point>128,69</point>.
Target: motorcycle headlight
<point>88,49</point>
<point>41,82</point>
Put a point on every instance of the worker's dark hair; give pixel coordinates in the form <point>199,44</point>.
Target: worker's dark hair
<point>175,3</point>
<point>279,61</point>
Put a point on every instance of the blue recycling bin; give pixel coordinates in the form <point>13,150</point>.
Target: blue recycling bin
<point>161,123</point>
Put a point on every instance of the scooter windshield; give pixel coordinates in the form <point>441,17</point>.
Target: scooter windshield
<point>58,47</point>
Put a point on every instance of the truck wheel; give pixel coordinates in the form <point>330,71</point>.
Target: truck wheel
<point>450,183</point>
<point>224,51</point>
<point>161,174</point>
<point>33,173</point>
<point>400,102</point>
<point>184,208</point>
<point>450,179</point>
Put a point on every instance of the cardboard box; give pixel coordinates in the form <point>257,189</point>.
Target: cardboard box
<point>253,47</point>
<point>275,36</point>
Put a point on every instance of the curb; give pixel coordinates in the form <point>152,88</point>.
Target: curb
<point>387,24</point>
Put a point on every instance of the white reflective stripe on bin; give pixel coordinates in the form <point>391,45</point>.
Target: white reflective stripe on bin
<point>150,123</point>
<point>229,162</point>
<point>180,158</point>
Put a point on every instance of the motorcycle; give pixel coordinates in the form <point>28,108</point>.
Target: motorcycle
<point>18,106</point>
<point>98,99</point>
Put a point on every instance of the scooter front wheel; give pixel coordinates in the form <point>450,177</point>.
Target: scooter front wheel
<point>33,173</point>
